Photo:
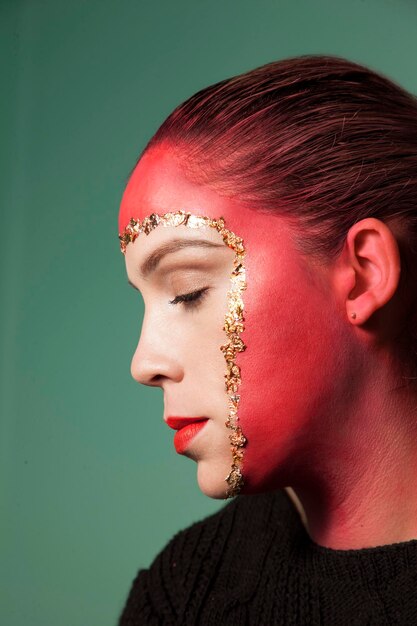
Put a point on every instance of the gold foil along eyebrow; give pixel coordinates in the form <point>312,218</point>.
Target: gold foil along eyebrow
<point>233,323</point>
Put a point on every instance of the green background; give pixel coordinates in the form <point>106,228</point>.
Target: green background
<point>91,488</point>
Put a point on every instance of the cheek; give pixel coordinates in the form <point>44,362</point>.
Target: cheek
<point>200,336</point>
<point>287,369</point>
<point>202,355</point>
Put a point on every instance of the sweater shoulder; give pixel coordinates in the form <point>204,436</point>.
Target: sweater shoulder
<point>250,521</point>
<point>204,557</point>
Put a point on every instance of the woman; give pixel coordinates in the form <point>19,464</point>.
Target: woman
<point>271,227</point>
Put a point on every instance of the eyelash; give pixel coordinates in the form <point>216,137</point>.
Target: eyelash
<point>190,300</point>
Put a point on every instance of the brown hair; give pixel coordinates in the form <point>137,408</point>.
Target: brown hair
<point>324,140</point>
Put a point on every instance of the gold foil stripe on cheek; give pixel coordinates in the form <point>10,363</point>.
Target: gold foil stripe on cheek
<point>233,323</point>
<point>233,326</point>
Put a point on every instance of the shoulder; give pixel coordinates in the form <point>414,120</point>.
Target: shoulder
<point>236,539</point>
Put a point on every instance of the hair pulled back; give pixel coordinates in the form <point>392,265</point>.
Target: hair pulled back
<point>318,138</point>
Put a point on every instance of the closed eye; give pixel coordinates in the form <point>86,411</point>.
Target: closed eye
<point>192,299</point>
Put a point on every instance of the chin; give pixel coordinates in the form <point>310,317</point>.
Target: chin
<point>211,480</point>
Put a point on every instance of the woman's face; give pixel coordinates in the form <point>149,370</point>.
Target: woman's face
<point>291,371</point>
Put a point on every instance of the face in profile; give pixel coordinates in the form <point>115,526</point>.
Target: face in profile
<point>184,264</point>
<point>290,371</point>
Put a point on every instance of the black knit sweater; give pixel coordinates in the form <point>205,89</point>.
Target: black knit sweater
<point>253,563</point>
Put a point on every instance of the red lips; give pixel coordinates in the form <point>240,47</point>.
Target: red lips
<point>187,428</point>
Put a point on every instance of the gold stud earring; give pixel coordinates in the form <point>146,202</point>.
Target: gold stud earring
<point>353,315</point>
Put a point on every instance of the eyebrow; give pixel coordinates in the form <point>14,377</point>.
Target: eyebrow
<point>150,264</point>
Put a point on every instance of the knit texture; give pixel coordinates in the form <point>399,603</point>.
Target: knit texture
<point>253,563</point>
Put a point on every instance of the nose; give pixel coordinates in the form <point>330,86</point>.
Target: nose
<point>155,359</point>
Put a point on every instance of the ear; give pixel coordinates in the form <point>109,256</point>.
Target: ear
<point>370,269</point>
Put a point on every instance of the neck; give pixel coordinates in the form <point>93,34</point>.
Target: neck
<point>361,487</point>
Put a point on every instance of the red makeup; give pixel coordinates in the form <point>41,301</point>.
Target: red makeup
<point>297,350</point>
<point>187,428</point>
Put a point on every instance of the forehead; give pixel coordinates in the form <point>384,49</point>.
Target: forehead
<point>158,185</point>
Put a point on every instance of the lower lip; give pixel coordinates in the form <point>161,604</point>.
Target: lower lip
<point>184,436</point>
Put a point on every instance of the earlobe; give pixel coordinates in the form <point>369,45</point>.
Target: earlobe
<point>373,258</point>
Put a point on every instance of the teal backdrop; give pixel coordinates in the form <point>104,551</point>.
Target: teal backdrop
<point>91,488</point>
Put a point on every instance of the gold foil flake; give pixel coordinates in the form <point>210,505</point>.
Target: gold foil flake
<point>233,323</point>
<point>235,481</point>
<point>237,439</point>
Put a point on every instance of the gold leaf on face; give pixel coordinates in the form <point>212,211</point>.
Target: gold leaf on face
<point>233,323</point>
